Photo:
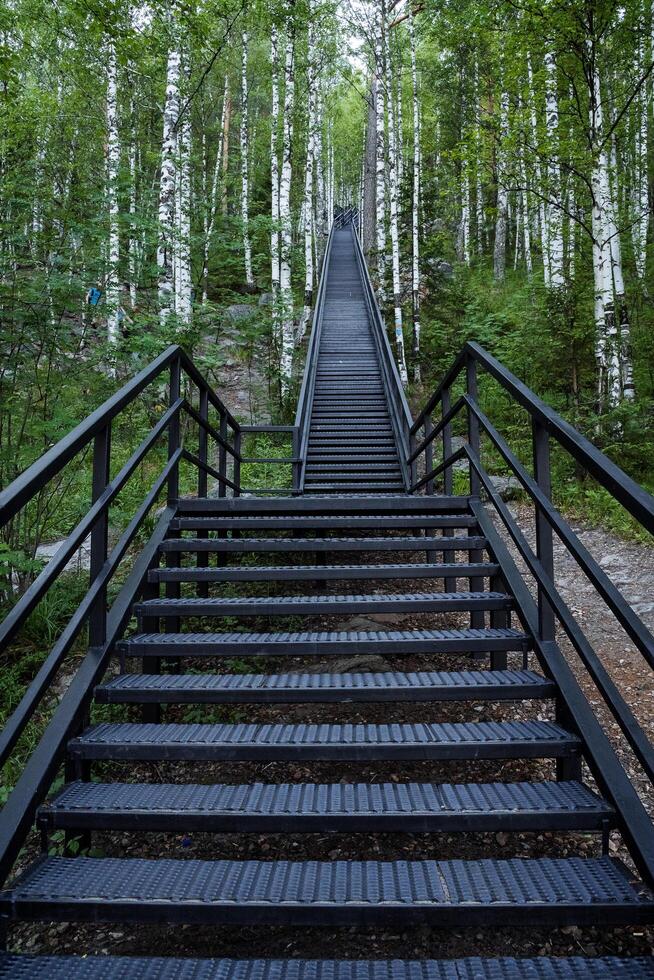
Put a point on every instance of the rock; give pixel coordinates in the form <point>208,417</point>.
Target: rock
<point>508,487</point>
<point>265,299</point>
<point>80,562</point>
<point>239,311</point>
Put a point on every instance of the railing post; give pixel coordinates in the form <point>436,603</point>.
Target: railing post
<point>446,404</point>
<point>222,457</point>
<point>238,439</point>
<point>203,442</point>
<point>544,539</point>
<point>174,430</point>
<point>99,534</point>
<point>473,422</point>
<point>429,454</point>
<point>202,559</point>
<point>295,452</point>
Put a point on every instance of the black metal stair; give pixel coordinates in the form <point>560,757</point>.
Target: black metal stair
<point>456,679</point>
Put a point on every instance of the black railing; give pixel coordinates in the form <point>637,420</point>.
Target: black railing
<point>217,455</point>
<point>541,617</point>
<point>305,400</point>
<point>401,418</point>
<point>344,216</point>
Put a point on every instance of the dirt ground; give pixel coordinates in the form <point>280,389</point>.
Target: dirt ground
<point>630,567</point>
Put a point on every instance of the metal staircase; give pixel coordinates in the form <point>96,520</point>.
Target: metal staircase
<point>241,600</point>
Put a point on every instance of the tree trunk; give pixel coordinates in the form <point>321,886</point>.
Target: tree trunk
<point>245,166</point>
<point>368,205</point>
<point>113,167</point>
<point>540,189</point>
<point>499,254</point>
<point>380,154</point>
<point>167,187</point>
<point>212,203</point>
<point>308,179</point>
<point>286,292</point>
<point>415,206</point>
<point>393,200</point>
<point>275,241</point>
<point>554,212</point>
<point>183,282</point>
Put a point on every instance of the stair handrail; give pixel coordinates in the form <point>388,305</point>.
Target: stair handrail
<point>308,387</point>
<point>401,418</point>
<point>104,625</point>
<point>551,607</point>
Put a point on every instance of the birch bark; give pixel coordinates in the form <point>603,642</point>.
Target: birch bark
<point>113,167</point>
<point>415,205</point>
<point>245,165</point>
<point>167,187</point>
<point>286,293</point>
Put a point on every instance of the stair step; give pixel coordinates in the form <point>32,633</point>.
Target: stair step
<point>402,503</point>
<point>342,486</point>
<point>488,685</point>
<point>321,522</point>
<point>414,543</point>
<point>321,644</point>
<point>325,742</point>
<point>313,808</point>
<point>333,605</point>
<point>30,967</point>
<point>450,894</point>
<point>304,573</point>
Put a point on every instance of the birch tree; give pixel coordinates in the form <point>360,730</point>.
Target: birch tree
<point>380,151</point>
<point>113,168</point>
<point>415,205</point>
<point>167,186</point>
<point>286,292</point>
<point>275,242</point>
<point>245,165</point>
<point>308,205</point>
<point>499,255</point>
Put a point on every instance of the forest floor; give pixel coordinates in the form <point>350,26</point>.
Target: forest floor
<point>631,568</point>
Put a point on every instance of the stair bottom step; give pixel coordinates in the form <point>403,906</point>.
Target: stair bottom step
<point>30,967</point>
<point>550,891</point>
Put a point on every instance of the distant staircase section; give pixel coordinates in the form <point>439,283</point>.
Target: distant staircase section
<point>352,446</point>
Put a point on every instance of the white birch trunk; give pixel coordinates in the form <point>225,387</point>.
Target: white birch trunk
<point>554,212</point>
<point>640,200</point>
<point>275,242</point>
<point>245,166</point>
<point>113,167</point>
<point>540,188</point>
<point>133,240</point>
<point>479,191</point>
<point>393,201</point>
<point>415,206</point>
<point>499,253</point>
<point>380,154</point>
<point>308,179</point>
<point>167,188</point>
<point>184,281</point>
<point>526,230</point>
<point>285,289</point>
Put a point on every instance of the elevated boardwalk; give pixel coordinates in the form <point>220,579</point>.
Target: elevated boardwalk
<point>352,447</point>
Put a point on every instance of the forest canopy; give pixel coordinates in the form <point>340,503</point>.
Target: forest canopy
<point>163,161</point>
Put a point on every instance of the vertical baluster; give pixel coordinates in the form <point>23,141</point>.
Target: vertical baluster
<point>99,535</point>
<point>295,453</point>
<point>477,619</point>
<point>410,441</point>
<point>544,540</point>
<point>202,560</point>
<point>174,432</point>
<point>222,457</point>
<point>570,768</point>
<point>473,422</point>
<point>448,483</point>
<point>237,462</point>
<point>429,454</point>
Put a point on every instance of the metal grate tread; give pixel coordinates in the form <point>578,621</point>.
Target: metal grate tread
<point>303,643</point>
<point>445,740</point>
<point>276,888</point>
<point>415,685</point>
<point>445,803</point>
<point>330,604</point>
<point>250,573</point>
<point>348,521</point>
<point>439,543</point>
<point>30,967</point>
